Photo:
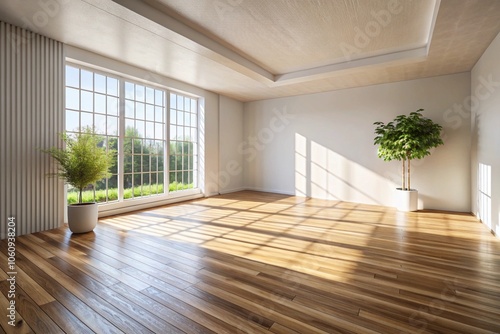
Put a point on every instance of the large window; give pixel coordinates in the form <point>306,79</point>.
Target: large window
<point>183,138</point>
<point>144,142</point>
<point>132,119</point>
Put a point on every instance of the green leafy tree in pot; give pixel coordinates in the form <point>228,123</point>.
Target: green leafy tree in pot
<point>83,161</point>
<point>406,138</point>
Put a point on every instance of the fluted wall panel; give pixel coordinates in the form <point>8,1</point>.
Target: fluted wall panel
<point>31,117</point>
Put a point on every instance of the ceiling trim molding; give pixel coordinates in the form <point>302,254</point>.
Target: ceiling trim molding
<point>328,70</point>
<point>433,24</point>
<point>188,35</point>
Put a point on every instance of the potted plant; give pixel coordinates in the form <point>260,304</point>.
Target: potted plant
<point>82,163</point>
<point>406,138</point>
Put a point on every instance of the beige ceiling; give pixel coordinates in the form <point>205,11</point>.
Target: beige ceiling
<point>256,49</point>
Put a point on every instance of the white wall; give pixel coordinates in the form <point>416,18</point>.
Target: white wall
<point>321,145</point>
<point>230,176</point>
<point>485,98</point>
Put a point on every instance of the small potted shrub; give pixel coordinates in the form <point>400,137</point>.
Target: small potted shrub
<point>80,164</point>
<point>406,138</point>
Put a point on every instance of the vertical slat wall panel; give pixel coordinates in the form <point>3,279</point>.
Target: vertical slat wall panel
<point>31,118</point>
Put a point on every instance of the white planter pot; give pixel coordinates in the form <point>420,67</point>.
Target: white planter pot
<point>82,218</point>
<point>406,200</point>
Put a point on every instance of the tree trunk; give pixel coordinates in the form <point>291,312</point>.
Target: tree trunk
<point>408,174</point>
<point>80,195</point>
<point>403,176</point>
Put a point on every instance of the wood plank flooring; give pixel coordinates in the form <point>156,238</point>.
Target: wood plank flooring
<point>252,262</point>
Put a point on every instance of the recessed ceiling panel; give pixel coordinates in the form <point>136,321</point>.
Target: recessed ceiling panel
<point>285,36</point>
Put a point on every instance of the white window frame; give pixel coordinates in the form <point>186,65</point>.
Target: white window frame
<point>121,205</point>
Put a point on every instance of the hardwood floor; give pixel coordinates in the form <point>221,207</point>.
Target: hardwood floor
<point>253,262</point>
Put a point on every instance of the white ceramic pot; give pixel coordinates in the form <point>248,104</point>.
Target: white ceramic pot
<point>406,200</point>
<point>82,218</point>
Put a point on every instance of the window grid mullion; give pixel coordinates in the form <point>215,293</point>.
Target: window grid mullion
<point>121,140</point>
<point>166,160</point>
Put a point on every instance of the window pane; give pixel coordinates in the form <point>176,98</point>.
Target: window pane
<point>159,98</point>
<point>129,109</point>
<point>129,90</point>
<point>172,162</point>
<point>112,125</point>
<point>139,93</point>
<point>139,127</point>
<point>173,116</point>
<point>72,120</point>
<point>137,147</point>
<point>150,112</point>
<point>180,102</point>
<point>72,77</point>
<point>139,110</point>
<point>100,124</point>
<point>137,182</point>
<point>112,86</point>
<point>87,102</point>
<point>72,98</point>
<point>127,184</point>
<point>159,114</point>
<point>161,164</point>
<point>180,118</point>
<point>172,177</point>
<point>100,103</point>
<point>112,105</point>
<point>150,130</point>
<point>87,80</point>
<point>100,83</point>
<point>192,137</point>
<point>145,163</point>
<point>173,101</point>
<point>112,188</point>
<point>158,131</point>
<point>130,128</point>
<point>180,133</point>
<point>87,120</point>
<point>173,132</point>
<point>150,95</point>
<point>154,163</point>
<point>127,163</point>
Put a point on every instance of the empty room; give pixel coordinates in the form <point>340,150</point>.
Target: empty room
<point>250,166</point>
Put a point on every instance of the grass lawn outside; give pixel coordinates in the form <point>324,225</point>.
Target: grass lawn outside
<point>112,194</point>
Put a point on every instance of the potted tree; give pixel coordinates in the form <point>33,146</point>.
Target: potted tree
<point>82,163</point>
<point>406,138</point>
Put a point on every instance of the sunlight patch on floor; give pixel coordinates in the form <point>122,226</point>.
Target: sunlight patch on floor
<point>318,237</point>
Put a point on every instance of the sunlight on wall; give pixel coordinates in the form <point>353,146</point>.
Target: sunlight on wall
<point>484,194</point>
<point>300,165</point>
<point>201,146</point>
<point>325,174</point>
